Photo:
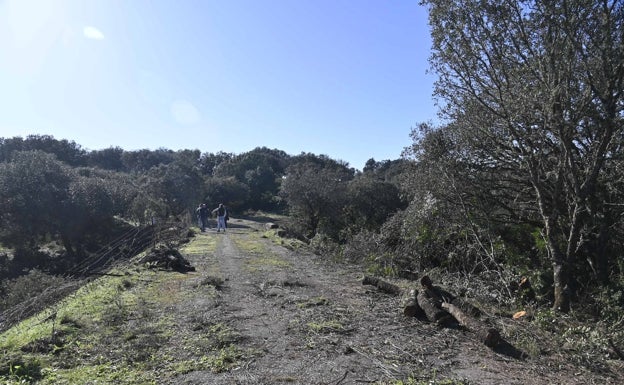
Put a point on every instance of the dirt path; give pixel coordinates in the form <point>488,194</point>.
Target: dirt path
<point>289,317</point>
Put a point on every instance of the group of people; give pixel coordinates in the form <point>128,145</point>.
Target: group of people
<point>203,213</point>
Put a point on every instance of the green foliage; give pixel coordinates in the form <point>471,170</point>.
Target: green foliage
<point>177,185</point>
<point>20,369</point>
<point>63,150</point>
<point>226,190</point>
<point>370,202</point>
<point>260,170</point>
<point>208,162</point>
<point>316,194</point>
<point>532,131</point>
<point>34,189</point>
<point>108,159</point>
<point>225,359</point>
<point>21,289</point>
<point>141,161</point>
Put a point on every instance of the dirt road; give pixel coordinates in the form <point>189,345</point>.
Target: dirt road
<point>290,317</point>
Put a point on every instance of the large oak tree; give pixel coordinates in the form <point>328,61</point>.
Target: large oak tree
<point>535,89</point>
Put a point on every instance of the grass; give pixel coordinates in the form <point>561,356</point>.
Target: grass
<point>289,243</point>
<point>325,326</point>
<point>66,341</point>
<point>201,244</point>
<point>260,255</point>
<point>121,329</point>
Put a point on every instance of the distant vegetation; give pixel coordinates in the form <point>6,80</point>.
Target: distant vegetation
<point>62,203</point>
<point>525,177</point>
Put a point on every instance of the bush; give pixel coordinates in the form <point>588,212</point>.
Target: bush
<point>362,247</point>
<point>21,289</point>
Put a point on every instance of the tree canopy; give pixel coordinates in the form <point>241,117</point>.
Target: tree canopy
<point>533,93</point>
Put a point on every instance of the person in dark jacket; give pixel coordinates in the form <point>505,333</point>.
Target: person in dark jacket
<point>202,215</point>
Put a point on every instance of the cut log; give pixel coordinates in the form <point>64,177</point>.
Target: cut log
<point>466,307</point>
<point>384,286</point>
<point>487,335</point>
<point>410,305</point>
<point>431,309</point>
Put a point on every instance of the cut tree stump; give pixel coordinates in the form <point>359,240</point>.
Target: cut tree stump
<point>384,286</point>
<point>487,335</point>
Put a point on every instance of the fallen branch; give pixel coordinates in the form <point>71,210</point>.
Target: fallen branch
<point>488,336</point>
<point>384,286</point>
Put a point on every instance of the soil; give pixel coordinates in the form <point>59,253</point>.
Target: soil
<point>300,319</point>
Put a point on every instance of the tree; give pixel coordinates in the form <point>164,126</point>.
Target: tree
<point>261,170</point>
<point>370,202</point>
<point>109,158</point>
<point>535,88</point>
<point>208,162</point>
<point>316,194</point>
<point>143,160</point>
<point>227,190</point>
<point>178,185</point>
<point>64,150</point>
<point>34,190</point>
<point>44,199</point>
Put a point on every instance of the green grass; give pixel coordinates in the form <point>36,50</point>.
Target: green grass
<point>258,254</point>
<point>323,327</point>
<point>200,244</point>
<point>124,329</point>
<point>289,243</point>
<point>65,341</point>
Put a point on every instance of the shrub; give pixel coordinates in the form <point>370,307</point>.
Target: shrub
<point>21,289</point>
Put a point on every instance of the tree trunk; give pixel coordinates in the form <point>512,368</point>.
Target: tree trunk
<point>67,244</point>
<point>488,336</point>
<point>562,293</point>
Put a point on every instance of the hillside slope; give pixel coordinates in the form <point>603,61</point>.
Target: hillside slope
<point>254,312</point>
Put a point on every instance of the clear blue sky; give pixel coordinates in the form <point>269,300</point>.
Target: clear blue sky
<point>344,78</point>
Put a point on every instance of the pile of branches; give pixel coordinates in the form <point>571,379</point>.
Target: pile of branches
<point>164,256</point>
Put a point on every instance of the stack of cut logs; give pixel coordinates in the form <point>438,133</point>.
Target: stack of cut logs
<point>439,306</point>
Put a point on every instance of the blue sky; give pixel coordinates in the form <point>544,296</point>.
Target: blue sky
<point>344,78</point>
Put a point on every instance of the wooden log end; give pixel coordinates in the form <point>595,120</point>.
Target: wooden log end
<point>425,281</point>
<point>491,338</point>
<point>413,310</point>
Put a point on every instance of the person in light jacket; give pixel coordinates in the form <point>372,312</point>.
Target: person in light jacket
<point>221,213</point>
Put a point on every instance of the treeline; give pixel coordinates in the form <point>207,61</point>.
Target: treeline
<point>61,202</point>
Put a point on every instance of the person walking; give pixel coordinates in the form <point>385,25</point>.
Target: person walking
<point>227,216</point>
<point>202,215</point>
<point>221,212</point>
